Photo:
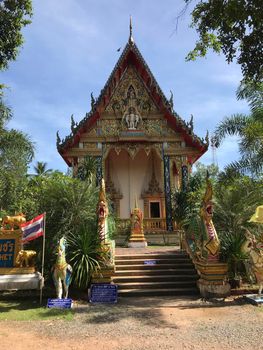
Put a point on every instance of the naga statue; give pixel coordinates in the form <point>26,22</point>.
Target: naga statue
<point>103,213</point>
<point>211,243</point>
<point>107,246</point>
<point>62,271</point>
<point>203,245</point>
<point>254,247</point>
<point>201,234</point>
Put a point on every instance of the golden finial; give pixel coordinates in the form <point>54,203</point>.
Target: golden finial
<point>209,189</point>
<point>131,40</point>
<point>136,202</point>
<point>102,193</point>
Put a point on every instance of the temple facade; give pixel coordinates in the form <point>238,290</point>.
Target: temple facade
<point>144,150</point>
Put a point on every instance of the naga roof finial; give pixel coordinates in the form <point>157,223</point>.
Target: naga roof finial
<point>58,139</point>
<point>131,40</point>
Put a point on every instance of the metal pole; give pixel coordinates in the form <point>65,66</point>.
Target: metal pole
<point>43,260</point>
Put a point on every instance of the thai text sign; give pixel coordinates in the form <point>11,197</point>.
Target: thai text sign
<point>7,252</point>
<point>103,293</point>
<point>59,303</point>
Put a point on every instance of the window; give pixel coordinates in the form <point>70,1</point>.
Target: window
<point>155,210</point>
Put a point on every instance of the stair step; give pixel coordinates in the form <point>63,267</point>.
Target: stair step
<point>157,285</point>
<point>157,292</point>
<point>155,278</point>
<point>156,266</point>
<point>153,261</point>
<point>155,272</point>
<point>152,256</point>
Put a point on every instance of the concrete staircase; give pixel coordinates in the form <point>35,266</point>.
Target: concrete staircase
<point>155,274</point>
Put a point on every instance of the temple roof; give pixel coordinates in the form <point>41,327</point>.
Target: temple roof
<point>131,56</point>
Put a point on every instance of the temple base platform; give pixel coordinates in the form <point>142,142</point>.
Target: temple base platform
<point>133,244</point>
<point>21,281</point>
<point>213,289</point>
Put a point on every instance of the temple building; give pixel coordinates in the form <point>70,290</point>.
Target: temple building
<point>143,148</point>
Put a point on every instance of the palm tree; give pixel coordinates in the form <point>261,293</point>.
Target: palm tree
<point>41,169</point>
<point>87,169</point>
<point>235,203</point>
<point>249,128</point>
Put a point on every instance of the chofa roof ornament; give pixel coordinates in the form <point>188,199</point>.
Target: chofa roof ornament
<point>131,40</point>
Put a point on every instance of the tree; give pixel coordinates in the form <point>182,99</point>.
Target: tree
<point>16,148</point>
<point>249,128</point>
<point>41,169</point>
<point>235,203</point>
<point>14,15</point>
<point>233,27</point>
<point>16,152</point>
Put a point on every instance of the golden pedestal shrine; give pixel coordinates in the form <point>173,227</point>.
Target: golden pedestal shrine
<point>137,239</point>
<point>17,269</point>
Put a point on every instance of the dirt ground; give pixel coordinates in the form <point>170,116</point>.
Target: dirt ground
<point>152,323</point>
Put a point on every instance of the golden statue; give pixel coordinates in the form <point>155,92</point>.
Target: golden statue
<point>26,258</point>
<point>14,221</point>
<point>211,240</point>
<point>254,247</point>
<point>103,213</point>
<point>137,238</point>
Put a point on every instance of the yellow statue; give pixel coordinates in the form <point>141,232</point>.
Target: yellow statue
<point>14,221</point>
<point>211,240</point>
<point>137,239</point>
<point>258,216</point>
<point>103,213</point>
<point>254,247</point>
<point>136,220</point>
<point>25,258</point>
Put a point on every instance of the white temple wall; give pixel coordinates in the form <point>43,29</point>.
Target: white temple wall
<point>131,177</point>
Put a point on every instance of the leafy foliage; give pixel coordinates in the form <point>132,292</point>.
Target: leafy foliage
<point>84,253</point>
<point>16,152</point>
<point>249,128</point>
<point>234,28</point>
<point>41,169</point>
<point>186,204</point>
<point>235,203</point>
<point>87,168</point>
<point>14,15</point>
<point>232,252</point>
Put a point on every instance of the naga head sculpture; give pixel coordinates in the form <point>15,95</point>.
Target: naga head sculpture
<point>102,205</point>
<point>207,203</point>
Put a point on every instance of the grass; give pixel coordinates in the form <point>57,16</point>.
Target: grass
<point>26,310</point>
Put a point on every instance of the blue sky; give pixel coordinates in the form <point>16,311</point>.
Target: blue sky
<point>71,47</point>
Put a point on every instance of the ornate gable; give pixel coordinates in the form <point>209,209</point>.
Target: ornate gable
<point>131,106</point>
<point>130,94</point>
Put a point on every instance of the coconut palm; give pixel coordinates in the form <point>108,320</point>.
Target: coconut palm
<point>87,169</point>
<point>235,203</point>
<point>249,128</point>
<point>41,169</point>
